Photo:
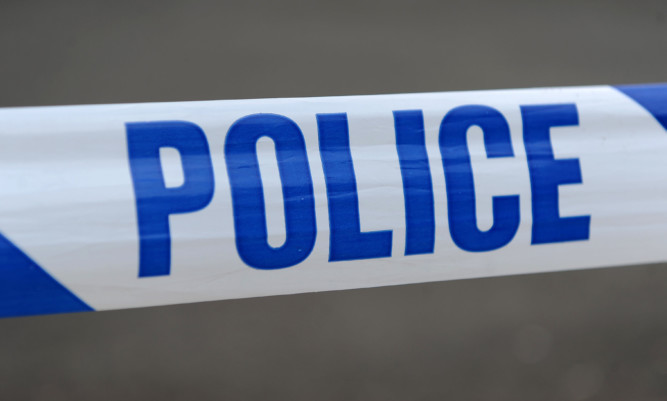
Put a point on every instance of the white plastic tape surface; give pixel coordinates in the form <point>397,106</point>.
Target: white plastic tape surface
<point>120,206</point>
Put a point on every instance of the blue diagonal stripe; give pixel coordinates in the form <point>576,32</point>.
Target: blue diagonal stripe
<point>26,289</point>
<point>652,97</point>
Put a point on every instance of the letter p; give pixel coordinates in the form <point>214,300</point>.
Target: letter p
<point>155,201</point>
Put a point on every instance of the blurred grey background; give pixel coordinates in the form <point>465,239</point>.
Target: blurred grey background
<point>585,335</point>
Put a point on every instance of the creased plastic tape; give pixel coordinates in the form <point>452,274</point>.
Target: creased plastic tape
<point>122,206</point>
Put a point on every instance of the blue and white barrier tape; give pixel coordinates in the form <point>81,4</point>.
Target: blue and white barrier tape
<point>121,206</point>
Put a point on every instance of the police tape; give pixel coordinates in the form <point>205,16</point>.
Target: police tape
<point>121,206</point>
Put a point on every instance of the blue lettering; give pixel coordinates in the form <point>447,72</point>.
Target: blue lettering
<point>347,242</point>
<point>155,202</point>
<point>547,173</point>
<point>248,198</point>
<point>417,182</point>
<point>459,178</point>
